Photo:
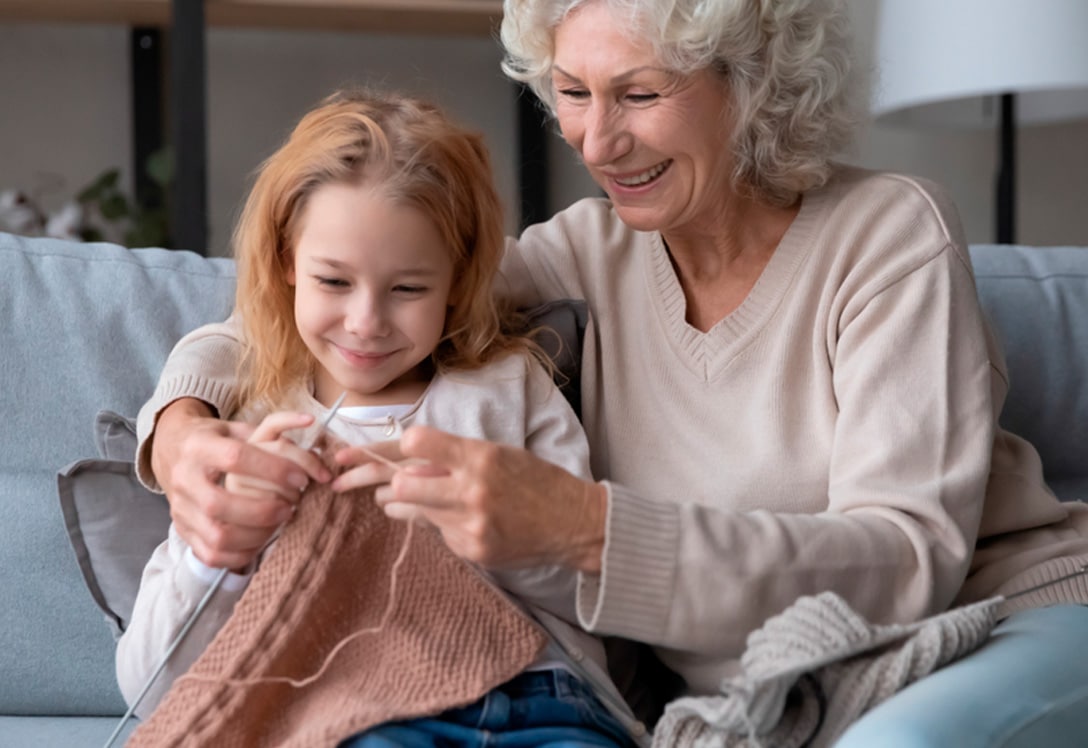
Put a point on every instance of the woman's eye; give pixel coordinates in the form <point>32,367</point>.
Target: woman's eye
<point>641,98</point>
<point>573,93</point>
<point>331,282</point>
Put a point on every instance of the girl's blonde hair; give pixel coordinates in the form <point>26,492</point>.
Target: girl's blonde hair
<point>415,156</point>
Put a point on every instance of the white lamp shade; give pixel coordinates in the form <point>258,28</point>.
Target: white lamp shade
<point>942,62</point>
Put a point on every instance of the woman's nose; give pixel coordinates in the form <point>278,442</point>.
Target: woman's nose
<point>604,139</point>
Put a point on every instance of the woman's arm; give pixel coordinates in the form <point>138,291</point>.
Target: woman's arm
<point>893,528</point>
<point>202,367</point>
<point>185,449</point>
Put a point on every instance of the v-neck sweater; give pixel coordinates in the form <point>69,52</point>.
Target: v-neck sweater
<point>836,432</point>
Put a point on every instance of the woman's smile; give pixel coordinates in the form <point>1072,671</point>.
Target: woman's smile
<point>642,178</point>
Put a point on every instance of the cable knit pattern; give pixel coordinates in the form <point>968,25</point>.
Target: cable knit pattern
<point>814,669</point>
<point>450,638</point>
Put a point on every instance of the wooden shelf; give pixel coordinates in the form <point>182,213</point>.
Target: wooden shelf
<point>466,17</point>
<point>186,23</point>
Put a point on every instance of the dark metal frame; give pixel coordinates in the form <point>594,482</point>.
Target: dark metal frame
<point>1006,175</point>
<point>533,173</point>
<point>147,111</point>
<point>188,127</point>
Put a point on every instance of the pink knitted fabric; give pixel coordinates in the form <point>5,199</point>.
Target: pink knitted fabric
<point>451,637</point>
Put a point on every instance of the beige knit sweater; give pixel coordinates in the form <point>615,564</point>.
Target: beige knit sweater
<point>448,638</point>
<point>812,670</point>
<point>836,432</point>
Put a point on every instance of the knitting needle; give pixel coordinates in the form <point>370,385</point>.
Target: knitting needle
<point>216,583</point>
<point>1082,570</point>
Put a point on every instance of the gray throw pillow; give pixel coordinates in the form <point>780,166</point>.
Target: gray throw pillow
<point>113,522</point>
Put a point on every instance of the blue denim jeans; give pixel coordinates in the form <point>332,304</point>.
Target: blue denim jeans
<point>1026,687</point>
<point>535,709</point>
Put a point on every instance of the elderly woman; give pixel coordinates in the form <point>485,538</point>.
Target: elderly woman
<point>788,386</point>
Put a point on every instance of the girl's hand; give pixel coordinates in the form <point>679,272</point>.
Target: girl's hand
<point>269,436</point>
<point>370,465</point>
<point>495,505</point>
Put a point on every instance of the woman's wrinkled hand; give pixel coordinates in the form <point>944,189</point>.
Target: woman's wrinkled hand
<point>193,452</point>
<point>497,506</point>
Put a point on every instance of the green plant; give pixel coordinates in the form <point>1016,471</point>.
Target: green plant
<point>138,225</point>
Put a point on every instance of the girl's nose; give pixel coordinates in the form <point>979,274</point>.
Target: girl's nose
<point>366,317</point>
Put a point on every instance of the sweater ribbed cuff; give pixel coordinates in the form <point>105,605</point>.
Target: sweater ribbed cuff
<point>632,596</point>
<point>219,395</point>
<point>1043,594</point>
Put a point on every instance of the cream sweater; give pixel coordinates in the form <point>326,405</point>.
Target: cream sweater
<point>836,432</point>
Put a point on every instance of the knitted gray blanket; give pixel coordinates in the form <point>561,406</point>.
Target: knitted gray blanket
<point>812,670</point>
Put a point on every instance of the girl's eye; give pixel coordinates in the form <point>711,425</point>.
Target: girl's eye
<point>407,289</point>
<point>331,282</point>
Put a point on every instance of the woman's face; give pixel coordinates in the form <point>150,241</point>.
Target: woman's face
<point>657,142</point>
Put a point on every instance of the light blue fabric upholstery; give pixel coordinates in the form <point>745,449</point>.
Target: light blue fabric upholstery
<point>1037,299</point>
<point>87,327</point>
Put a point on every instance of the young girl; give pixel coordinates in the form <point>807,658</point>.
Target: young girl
<point>366,254</point>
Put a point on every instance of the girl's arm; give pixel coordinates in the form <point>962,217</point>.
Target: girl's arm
<point>178,575</point>
<point>171,587</point>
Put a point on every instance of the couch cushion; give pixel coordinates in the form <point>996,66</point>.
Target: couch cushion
<point>86,327</point>
<point>113,522</point>
<point>1037,299</point>
<point>61,732</point>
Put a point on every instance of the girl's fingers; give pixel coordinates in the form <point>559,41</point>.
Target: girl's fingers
<point>387,453</point>
<point>270,436</point>
<point>370,474</point>
<point>274,425</point>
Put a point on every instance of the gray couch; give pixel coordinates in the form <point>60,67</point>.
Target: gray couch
<point>86,328</point>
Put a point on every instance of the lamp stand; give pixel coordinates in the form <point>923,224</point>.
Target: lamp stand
<point>1006,174</point>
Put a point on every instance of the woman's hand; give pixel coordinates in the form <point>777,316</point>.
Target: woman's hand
<point>497,506</point>
<point>191,453</point>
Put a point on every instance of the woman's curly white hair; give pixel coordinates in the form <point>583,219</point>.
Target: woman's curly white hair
<point>786,63</point>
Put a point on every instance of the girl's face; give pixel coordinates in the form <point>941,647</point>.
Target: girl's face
<point>372,281</point>
<point>657,142</point>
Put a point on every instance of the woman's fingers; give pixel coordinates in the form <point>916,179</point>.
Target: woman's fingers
<point>496,505</point>
<point>402,511</point>
<point>227,529</point>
